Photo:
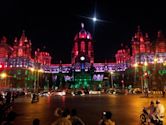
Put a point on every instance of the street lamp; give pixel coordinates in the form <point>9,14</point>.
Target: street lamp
<point>3,76</point>
<point>138,66</point>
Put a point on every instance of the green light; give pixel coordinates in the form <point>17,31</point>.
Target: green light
<point>14,76</point>
<point>26,72</point>
<point>162,72</point>
<point>19,72</point>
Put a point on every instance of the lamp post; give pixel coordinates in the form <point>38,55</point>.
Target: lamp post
<point>34,78</point>
<point>145,75</point>
<point>142,75</point>
<point>112,79</point>
<point>40,71</point>
<point>135,72</point>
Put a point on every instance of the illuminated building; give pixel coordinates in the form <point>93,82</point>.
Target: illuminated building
<point>17,62</point>
<point>147,60</point>
<point>142,65</point>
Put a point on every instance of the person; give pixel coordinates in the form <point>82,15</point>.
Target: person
<point>75,119</point>
<point>160,111</point>
<point>151,113</point>
<point>106,119</point>
<point>10,118</point>
<point>146,92</point>
<point>36,121</point>
<point>35,98</point>
<point>58,112</point>
<point>64,120</point>
<point>8,98</point>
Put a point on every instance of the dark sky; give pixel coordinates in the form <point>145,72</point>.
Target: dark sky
<point>54,24</point>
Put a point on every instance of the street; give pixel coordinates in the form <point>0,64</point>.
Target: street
<point>126,109</point>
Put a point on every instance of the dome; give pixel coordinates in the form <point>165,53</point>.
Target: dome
<point>83,34</point>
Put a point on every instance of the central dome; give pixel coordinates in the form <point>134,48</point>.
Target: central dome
<point>83,34</point>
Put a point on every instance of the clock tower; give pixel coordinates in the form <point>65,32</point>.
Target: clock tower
<point>82,59</point>
<point>83,47</point>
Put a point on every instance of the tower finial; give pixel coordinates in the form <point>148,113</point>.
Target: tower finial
<point>82,25</point>
<point>138,28</point>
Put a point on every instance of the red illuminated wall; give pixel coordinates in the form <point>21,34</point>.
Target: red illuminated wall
<point>5,49</point>
<point>122,55</point>
<point>160,43</point>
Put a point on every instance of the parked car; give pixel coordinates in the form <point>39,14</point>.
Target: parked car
<point>78,92</point>
<point>45,93</point>
<point>59,93</point>
<point>94,92</point>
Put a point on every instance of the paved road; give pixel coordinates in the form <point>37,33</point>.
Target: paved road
<point>125,108</point>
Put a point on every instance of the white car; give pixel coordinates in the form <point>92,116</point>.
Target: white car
<point>94,92</point>
<point>59,93</point>
<point>44,94</point>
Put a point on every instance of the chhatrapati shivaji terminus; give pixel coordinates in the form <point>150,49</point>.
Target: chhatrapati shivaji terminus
<point>142,65</point>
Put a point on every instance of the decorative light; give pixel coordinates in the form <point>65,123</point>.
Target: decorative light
<point>155,59</point>
<point>41,70</point>
<point>32,69</point>
<point>164,63</point>
<point>145,64</point>
<point>136,65</point>
<point>82,58</point>
<point>3,75</point>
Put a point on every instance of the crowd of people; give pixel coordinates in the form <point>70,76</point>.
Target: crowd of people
<point>67,117</point>
<point>7,115</point>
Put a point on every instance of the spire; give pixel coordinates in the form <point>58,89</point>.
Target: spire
<point>38,49</point>
<point>23,33</point>
<point>138,28</point>
<point>159,34</point>
<point>15,39</point>
<point>23,36</point>
<point>82,25</point>
<point>146,35</point>
<point>122,45</point>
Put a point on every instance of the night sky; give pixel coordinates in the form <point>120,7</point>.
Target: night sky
<point>52,26</point>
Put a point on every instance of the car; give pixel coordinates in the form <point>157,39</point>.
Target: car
<point>137,91</point>
<point>59,93</point>
<point>45,93</point>
<point>94,92</point>
<point>78,92</point>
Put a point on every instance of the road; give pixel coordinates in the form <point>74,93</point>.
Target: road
<point>126,109</point>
